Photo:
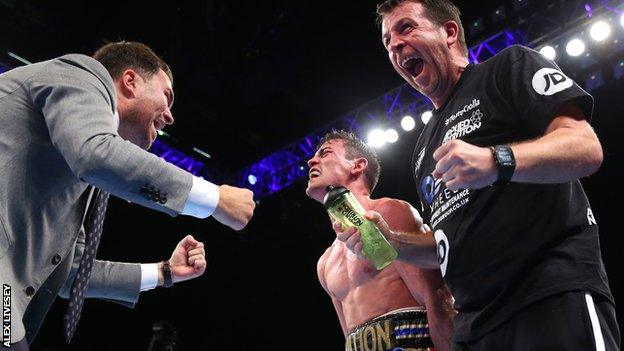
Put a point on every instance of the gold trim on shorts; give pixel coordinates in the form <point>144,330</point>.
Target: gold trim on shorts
<point>404,330</point>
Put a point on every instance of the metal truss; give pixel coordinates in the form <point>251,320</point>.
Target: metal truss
<point>178,158</point>
<point>188,163</point>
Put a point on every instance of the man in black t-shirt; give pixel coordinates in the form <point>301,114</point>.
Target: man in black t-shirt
<point>496,170</point>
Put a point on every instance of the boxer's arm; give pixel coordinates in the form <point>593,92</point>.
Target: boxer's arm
<point>425,285</point>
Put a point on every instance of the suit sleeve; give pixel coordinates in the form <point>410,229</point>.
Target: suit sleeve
<point>115,281</point>
<point>78,111</point>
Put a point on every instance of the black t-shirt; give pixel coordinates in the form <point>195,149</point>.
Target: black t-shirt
<point>504,247</point>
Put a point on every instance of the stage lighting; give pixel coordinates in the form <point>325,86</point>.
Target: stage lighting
<point>622,20</point>
<point>199,151</point>
<point>520,4</point>
<point>575,47</point>
<point>618,70</point>
<point>408,123</point>
<point>498,15</point>
<point>252,179</point>
<point>377,138</point>
<point>392,136</point>
<point>594,81</point>
<point>476,27</point>
<point>426,116</point>
<point>600,30</point>
<point>549,52</point>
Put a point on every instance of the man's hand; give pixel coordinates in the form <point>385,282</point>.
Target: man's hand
<point>351,236</point>
<point>464,166</point>
<point>235,207</point>
<point>188,260</point>
<point>418,248</point>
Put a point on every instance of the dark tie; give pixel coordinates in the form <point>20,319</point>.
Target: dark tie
<point>93,229</point>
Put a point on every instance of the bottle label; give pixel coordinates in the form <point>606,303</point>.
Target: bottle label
<point>349,214</point>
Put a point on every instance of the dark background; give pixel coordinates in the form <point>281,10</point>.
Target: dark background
<point>250,78</point>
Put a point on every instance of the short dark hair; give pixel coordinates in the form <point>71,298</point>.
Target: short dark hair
<point>438,11</point>
<point>354,148</point>
<point>119,56</point>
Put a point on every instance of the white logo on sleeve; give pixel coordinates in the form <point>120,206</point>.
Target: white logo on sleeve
<point>443,249</point>
<point>549,81</point>
<point>590,217</point>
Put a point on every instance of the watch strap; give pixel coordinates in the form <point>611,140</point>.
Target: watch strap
<point>167,279</point>
<point>505,163</point>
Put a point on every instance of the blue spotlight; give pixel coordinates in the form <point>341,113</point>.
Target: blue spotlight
<point>252,179</point>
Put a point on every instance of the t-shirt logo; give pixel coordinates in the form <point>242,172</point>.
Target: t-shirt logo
<point>419,159</point>
<point>430,187</point>
<point>443,249</point>
<point>590,217</point>
<point>549,81</point>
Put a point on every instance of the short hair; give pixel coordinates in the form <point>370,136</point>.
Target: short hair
<point>438,11</point>
<point>119,56</point>
<point>354,148</point>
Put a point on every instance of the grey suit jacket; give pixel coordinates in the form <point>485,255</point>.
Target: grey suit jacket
<point>58,134</point>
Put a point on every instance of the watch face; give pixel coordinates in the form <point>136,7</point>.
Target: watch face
<point>504,156</point>
<point>505,163</point>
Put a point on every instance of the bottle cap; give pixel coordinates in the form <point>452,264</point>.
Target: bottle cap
<point>333,192</point>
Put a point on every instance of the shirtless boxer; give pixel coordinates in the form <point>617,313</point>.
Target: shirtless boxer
<point>401,306</point>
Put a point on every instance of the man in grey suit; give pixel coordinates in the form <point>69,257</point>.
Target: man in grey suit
<point>76,121</point>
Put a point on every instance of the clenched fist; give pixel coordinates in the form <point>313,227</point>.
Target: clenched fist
<point>464,166</point>
<point>187,261</point>
<point>235,207</point>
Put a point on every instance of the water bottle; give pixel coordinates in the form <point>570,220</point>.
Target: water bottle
<point>345,208</point>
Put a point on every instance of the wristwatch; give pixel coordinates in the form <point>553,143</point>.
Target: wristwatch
<point>505,163</point>
<point>167,280</point>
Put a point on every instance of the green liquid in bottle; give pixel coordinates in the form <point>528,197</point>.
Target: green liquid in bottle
<point>344,207</point>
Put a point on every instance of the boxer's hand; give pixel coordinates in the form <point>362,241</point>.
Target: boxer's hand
<point>464,166</point>
<point>381,223</point>
<point>188,260</point>
<point>235,206</point>
<point>350,237</point>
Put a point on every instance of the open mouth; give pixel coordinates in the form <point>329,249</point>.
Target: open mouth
<point>314,173</point>
<point>413,66</point>
<point>158,125</point>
